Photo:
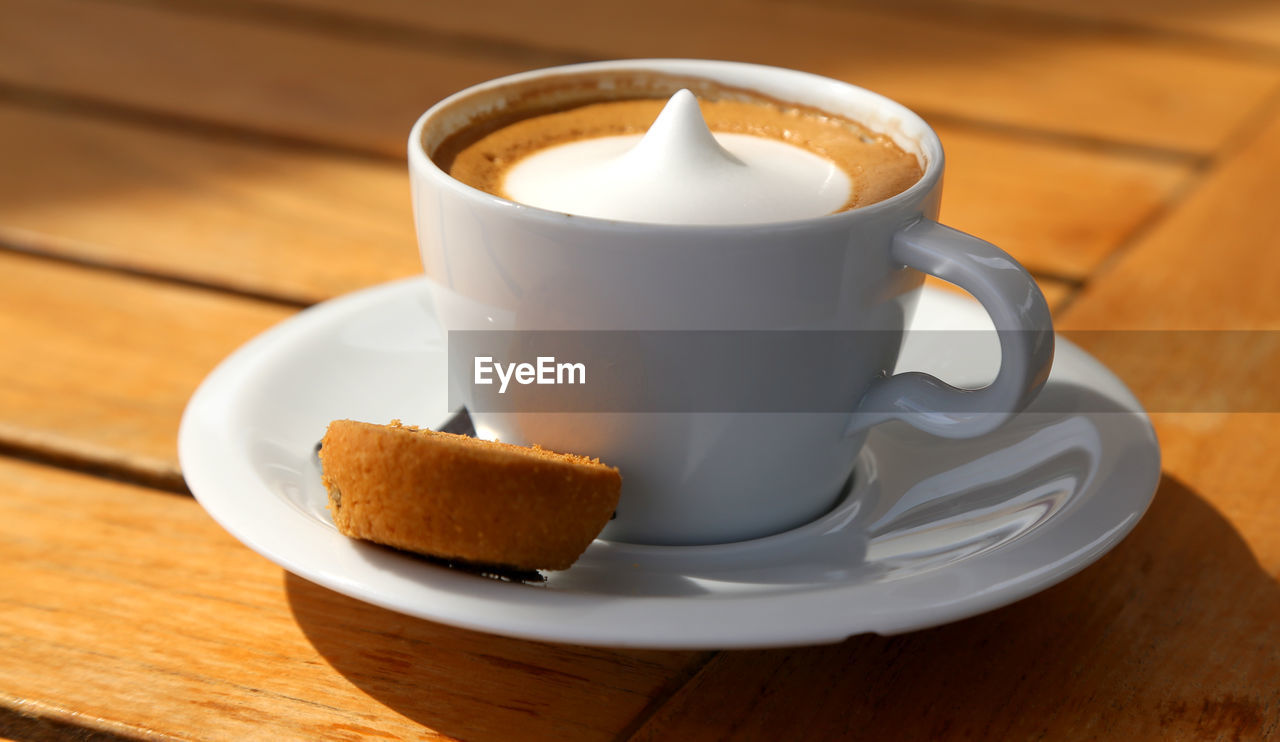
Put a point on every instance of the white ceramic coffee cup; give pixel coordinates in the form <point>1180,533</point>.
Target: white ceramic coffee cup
<point>712,477</point>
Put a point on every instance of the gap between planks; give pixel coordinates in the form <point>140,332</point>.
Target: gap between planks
<point>64,103</point>
<point>64,726</point>
<point>352,26</point>
<point>20,447</point>
<point>1158,22</point>
<point>61,102</point>
<point>42,247</point>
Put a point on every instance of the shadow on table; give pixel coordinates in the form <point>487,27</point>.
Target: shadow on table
<point>1173,635</point>
<point>481,687</point>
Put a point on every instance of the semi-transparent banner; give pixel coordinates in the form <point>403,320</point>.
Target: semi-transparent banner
<point>827,371</point>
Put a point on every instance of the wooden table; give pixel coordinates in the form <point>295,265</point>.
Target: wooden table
<point>177,176</point>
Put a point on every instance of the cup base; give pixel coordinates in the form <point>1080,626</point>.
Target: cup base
<point>854,502</point>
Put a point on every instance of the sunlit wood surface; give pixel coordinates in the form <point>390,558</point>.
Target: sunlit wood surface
<point>178,175</point>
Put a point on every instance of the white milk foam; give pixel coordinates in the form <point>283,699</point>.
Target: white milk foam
<point>678,172</point>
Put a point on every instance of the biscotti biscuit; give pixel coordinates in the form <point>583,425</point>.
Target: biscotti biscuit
<point>460,498</point>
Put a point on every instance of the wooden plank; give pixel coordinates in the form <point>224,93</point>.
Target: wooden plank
<point>1060,209</point>
<point>130,611</point>
<point>305,226</point>
<point>99,366</point>
<point>1056,292</point>
<point>1237,21</point>
<point>1212,264</point>
<point>1084,81</point>
<point>296,225</point>
<point>291,82</point>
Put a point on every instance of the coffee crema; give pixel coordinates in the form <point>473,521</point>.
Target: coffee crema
<point>872,164</point>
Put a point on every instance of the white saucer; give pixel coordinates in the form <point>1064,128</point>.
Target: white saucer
<point>939,530</point>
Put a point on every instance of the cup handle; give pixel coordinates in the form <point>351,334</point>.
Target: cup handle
<point>1021,317</point>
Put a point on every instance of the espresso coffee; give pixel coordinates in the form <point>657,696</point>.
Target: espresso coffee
<point>768,161</point>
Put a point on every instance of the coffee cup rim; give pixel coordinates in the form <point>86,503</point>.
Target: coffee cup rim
<point>913,132</point>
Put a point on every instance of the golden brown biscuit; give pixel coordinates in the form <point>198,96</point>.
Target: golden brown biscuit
<point>455,497</point>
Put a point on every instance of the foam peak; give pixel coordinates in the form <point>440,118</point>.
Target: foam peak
<point>679,172</point>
